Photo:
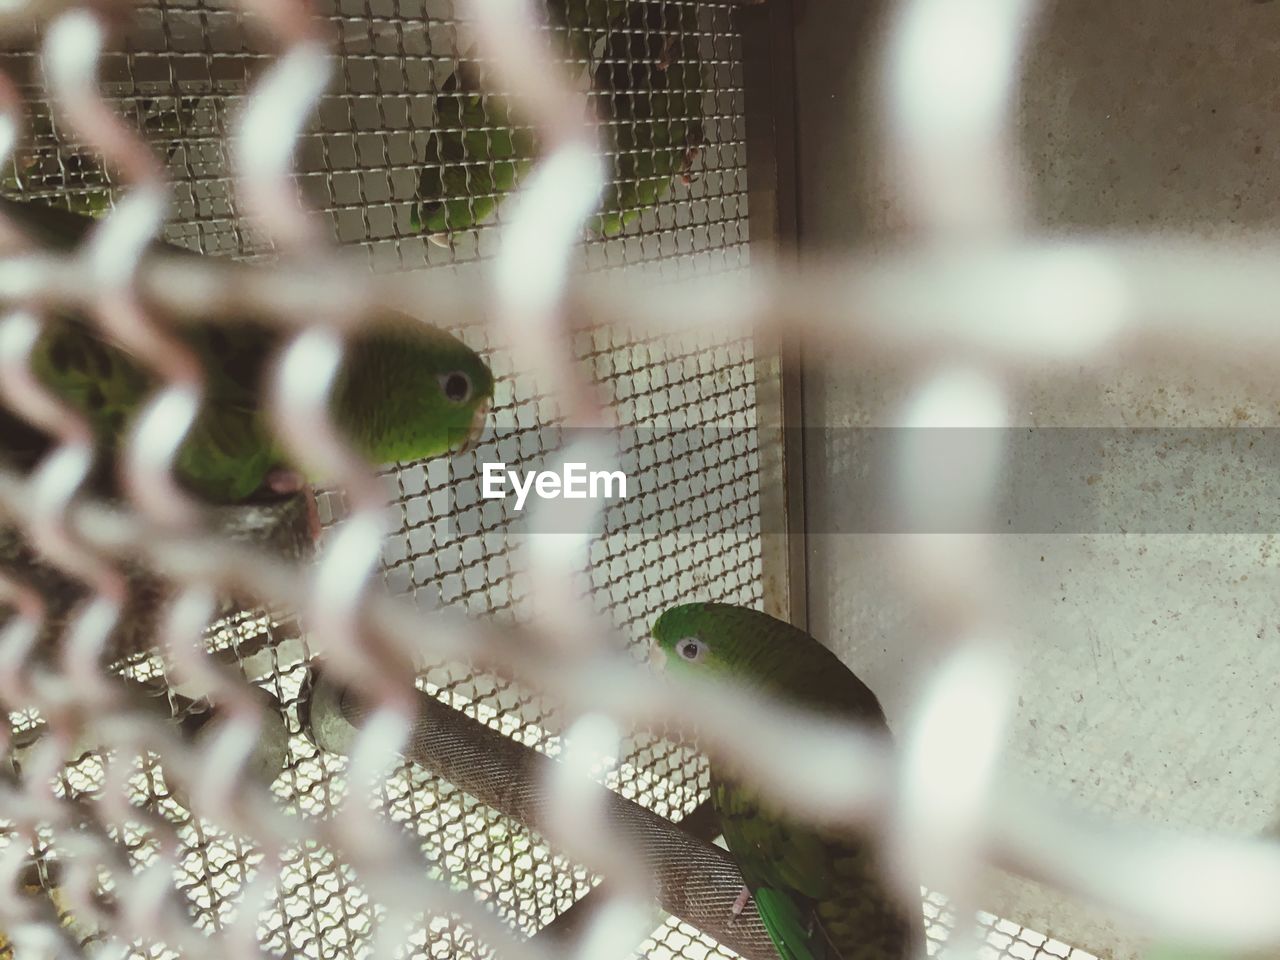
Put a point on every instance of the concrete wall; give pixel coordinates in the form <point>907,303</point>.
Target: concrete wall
<point>1150,663</point>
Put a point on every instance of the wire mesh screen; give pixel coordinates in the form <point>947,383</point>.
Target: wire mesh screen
<point>392,121</point>
<point>406,106</point>
<point>176,809</point>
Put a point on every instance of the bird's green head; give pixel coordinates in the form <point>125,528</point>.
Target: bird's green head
<point>752,650</point>
<point>410,391</point>
<point>717,640</point>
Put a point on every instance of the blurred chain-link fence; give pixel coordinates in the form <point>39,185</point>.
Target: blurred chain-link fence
<point>284,819</point>
<point>405,106</point>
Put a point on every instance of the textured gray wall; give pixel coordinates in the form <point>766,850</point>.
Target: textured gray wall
<point>1150,663</point>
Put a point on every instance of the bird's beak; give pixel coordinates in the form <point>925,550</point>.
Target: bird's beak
<point>657,656</point>
<point>479,421</point>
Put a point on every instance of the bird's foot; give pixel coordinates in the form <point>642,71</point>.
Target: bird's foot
<point>667,56</point>
<point>686,172</point>
<point>285,482</point>
<point>740,904</point>
<point>313,515</point>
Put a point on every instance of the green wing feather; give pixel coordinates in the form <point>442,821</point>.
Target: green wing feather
<point>475,156</point>
<point>819,896</point>
<point>229,449</point>
<point>788,926</point>
<point>784,868</point>
<point>476,153</point>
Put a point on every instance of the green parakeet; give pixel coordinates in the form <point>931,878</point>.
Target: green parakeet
<point>77,176</point>
<point>475,156</point>
<point>407,391</point>
<point>645,90</point>
<point>648,92</point>
<point>821,895</point>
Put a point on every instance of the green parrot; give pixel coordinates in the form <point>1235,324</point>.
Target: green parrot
<point>407,390</point>
<point>77,176</point>
<point>646,90</point>
<point>475,155</point>
<point>821,895</point>
<point>648,94</point>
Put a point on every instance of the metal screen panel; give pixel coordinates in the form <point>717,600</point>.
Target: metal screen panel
<point>346,856</point>
<point>183,75</point>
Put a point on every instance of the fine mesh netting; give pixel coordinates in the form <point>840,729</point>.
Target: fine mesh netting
<point>623,302</point>
<point>407,157</point>
<point>181,76</point>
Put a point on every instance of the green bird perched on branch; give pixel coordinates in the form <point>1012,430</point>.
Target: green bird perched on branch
<point>407,390</point>
<point>475,154</point>
<point>822,896</point>
<point>647,98</point>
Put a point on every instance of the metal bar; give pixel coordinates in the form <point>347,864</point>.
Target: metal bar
<point>701,823</point>
<point>769,95</point>
<point>769,104</point>
<point>696,881</point>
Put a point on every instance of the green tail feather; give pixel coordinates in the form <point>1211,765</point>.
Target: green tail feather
<point>475,155</point>
<point>793,933</point>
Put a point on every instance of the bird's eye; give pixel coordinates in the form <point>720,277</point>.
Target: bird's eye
<point>691,649</point>
<point>456,386</point>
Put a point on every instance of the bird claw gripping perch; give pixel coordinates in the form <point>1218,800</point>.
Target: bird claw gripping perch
<point>283,481</point>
